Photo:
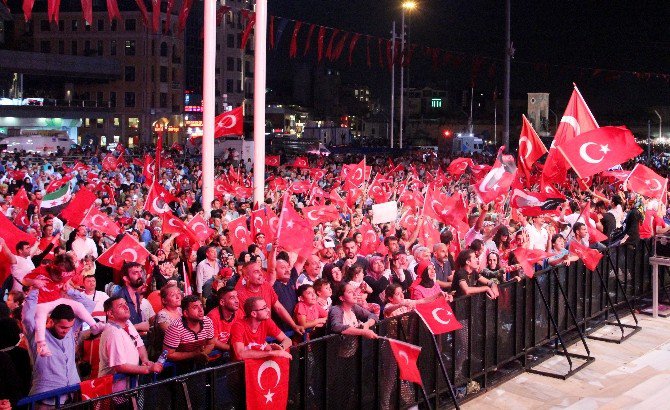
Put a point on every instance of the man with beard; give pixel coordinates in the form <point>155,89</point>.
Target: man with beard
<point>224,315</point>
<point>327,252</point>
<point>190,340</point>
<point>132,289</point>
<point>351,256</point>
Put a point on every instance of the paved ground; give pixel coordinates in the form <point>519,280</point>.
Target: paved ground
<point>634,374</point>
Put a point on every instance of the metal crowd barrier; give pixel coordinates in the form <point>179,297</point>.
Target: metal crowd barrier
<point>530,321</point>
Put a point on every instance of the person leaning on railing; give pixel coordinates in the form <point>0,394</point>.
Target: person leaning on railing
<point>466,279</point>
<point>346,317</point>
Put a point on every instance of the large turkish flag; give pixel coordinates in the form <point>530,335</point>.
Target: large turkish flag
<point>266,383</point>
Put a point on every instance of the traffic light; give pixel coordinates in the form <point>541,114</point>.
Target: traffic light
<point>446,133</point>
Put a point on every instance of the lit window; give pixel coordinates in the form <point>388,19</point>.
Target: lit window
<point>436,103</point>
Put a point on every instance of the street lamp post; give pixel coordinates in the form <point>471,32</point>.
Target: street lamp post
<point>409,6</point>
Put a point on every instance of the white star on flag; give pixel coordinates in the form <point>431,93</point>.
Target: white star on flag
<point>604,149</point>
<point>269,396</point>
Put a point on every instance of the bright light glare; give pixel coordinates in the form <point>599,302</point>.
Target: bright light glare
<point>409,5</point>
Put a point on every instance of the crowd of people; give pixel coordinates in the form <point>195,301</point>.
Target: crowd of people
<point>66,316</point>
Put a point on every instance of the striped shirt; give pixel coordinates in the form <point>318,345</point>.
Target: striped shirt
<point>179,337</point>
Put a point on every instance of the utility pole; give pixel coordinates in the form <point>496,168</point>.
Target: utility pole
<point>508,65</point>
<point>260,73</point>
<point>392,84</point>
<point>402,82</point>
<point>208,105</point>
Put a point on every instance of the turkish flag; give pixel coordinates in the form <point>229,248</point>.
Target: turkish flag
<point>301,187</point>
<point>79,166</point>
<point>377,191</point>
<point>55,185</point>
<point>531,147</point>
<point>172,224</point>
<point>267,383</point>
<point>438,316</point>
<point>410,198</point>
<point>200,228</point>
<point>158,199</point>
<point>320,214</point>
<point>337,198</point>
<point>645,181</point>
<point>76,209</point>
<point>599,150</point>
<point>110,162</point>
<point>407,355</point>
<point>148,169</point>
<point>317,174</point>
<point>428,233</point>
<point>300,162</point>
<point>20,199</point>
<point>585,183</point>
<point>590,257</point>
<point>21,219</point>
<point>126,250</point>
<point>102,386</point>
<point>535,203</point>
<point>13,235</point>
<point>528,258</point>
<point>240,238</point>
<point>370,239</point>
<point>458,166</point>
<point>295,233</point>
<point>443,208</point>
<point>353,193</point>
<point>498,180</point>
<point>409,221</point>
<point>576,119</point>
<point>229,123</point>
<point>272,160</point>
<point>99,221</point>
<point>357,174</point>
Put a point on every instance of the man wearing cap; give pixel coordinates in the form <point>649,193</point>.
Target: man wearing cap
<point>327,252</point>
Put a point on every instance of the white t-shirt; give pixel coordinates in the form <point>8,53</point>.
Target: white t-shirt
<point>538,238</point>
<point>83,247</point>
<point>119,347</point>
<point>20,269</point>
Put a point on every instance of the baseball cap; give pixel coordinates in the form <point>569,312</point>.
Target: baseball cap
<point>328,243</point>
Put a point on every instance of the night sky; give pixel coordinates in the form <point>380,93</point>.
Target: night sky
<point>628,36</point>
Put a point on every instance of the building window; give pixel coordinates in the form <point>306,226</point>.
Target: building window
<point>87,47</point>
<point>153,73</point>
<point>75,24</point>
<point>44,25</point>
<point>100,122</point>
<point>100,50</point>
<point>61,25</point>
<point>231,41</point>
<point>113,25</point>
<point>164,49</point>
<point>112,104</point>
<point>101,24</point>
<point>164,74</point>
<point>130,47</point>
<point>229,86</point>
<point>230,64</point>
<point>130,25</point>
<point>129,74</point>
<point>130,99</point>
<point>163,100</point>
<point>74,47</point>
<point>112,48</point>
<point>133,123</point>
<point>87,122</point>
<point>117,122</point>
<point>436,103</point>
<point>45,46</point>
<point>61,47</point>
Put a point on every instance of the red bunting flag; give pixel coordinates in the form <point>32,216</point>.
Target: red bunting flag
<point>143,11</point>
<point>590,257</point>
<point>407,356</point>
<point>113,10</point>
<point>93,388</point>
<point>251,22</point>
<point>267,383</point>
<point>438,316</point>
<point>293,48</point>
<point>576,119</point>
<point>183,14</point>
<point>87,11</point>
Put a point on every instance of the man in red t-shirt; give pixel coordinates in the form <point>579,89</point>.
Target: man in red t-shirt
<point>256,285</point>
<point>652,223</point>
<point>224,315</point>
<point>247,335</point>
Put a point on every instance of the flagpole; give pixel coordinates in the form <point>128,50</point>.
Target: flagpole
<point>260,51</point>
<point>208,105</point>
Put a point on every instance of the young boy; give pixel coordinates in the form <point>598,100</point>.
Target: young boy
<point>323,292</point>
<point>307,312</point>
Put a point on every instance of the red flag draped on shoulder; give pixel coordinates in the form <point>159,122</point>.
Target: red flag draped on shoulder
<point>407,355</point>
<point>531,148</point>
<point>576,119</point>
<point>599,150</point>
<point>267,383</point>
<point>644,181</point>
<point>590,257</point>
<point>438,316</point>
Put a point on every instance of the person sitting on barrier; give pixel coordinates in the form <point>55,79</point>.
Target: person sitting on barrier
<point>121,347</point>
<point>248,335</point>
<point>346,317</point>
<point>467,279</point>
<point>224,315</point>
<point>308,313</point>
<point>396,304</point>
<point>190,340</point>
<point>60,369</point>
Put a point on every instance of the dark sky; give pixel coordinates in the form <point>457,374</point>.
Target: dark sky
<point>630,36</point>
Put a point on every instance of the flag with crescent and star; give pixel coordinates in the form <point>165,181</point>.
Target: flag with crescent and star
<point>75,211</point>
<point>499,179</point>
<point>576,119</point>
<point>438,316</point>
<point>645,181</point>
<point>531,148</point>
<point>99,221</point>
<point>239,235</point>
<point>229,123</point>
<point>590,257</point>
<point>158,199</point>
<point>528,258</point>
<point>294,233</point>
<point>266,383</point>
<point>407,355</point>
<point>200,227</point>
<point>536,203</point>
<point>128,249</point>
<point>458,166</point>
<point>599,150</point>
<point>101,386</point>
